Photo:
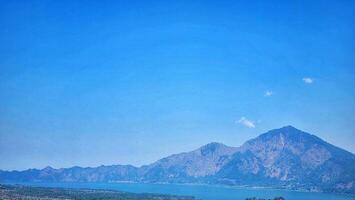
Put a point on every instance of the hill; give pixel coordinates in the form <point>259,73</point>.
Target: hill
<point>283,158</point>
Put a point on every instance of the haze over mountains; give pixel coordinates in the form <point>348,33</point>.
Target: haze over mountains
<point>285,157</point>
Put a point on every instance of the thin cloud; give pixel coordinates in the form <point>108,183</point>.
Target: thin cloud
<point>307,80</point>
<point>245,122</point>
<point>268,93</point>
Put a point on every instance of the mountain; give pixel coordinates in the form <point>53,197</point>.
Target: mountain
<point>291,158</point>
<point>192,166</point>
<point>73,174</point>
<point>284,158</point>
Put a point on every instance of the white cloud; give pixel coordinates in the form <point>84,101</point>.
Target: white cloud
<point>245,122</point>
<point>268,93</point>
<point>307,80</point>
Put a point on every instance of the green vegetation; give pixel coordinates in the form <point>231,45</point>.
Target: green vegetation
<point>18,192</point>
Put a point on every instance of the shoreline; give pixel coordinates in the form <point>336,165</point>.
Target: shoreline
<point>30,192</point>
<point>40,184</point>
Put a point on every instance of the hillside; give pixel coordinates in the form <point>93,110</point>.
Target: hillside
<point>285,158</point>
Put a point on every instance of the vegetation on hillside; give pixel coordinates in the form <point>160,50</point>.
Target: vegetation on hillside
<point>18,192</point>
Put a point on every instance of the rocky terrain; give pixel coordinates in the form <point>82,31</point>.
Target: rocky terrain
<point>282,158</point>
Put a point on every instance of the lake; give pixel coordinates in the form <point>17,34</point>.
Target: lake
<point>204,192</point>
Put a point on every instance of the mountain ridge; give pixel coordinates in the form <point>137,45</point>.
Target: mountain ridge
<point>284,157</point>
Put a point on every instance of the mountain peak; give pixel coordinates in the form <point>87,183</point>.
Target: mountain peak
<point>287,132</point>
<point>215,147</point>
<point>48,168</point>
<point>289,127</point>
<point>289,136</point>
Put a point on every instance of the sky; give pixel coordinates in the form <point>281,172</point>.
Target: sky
<point>89,83</point>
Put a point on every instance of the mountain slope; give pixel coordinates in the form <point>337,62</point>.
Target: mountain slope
<point>291,158</point>
<point>285,157</point>
<point>73,174</point>
<point>190,166</point>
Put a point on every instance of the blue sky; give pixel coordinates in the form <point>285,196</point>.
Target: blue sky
<point>106,82</point>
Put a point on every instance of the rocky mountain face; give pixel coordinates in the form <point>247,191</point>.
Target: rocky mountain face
<point>291,158</point>
<point>285,157</point>
<point>192,166</point>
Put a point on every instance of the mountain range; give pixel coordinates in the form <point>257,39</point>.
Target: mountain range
<point>281,158</point>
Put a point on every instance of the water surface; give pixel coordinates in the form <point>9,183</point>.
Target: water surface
<point>204,192</point>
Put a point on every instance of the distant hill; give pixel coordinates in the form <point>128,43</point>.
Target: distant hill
<point>283,158</point>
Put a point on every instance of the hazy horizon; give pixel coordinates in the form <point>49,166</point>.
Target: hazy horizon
<point>114,82</point>
<point>164,156</point>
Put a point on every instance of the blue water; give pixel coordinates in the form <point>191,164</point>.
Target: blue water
<point>204,192</point>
